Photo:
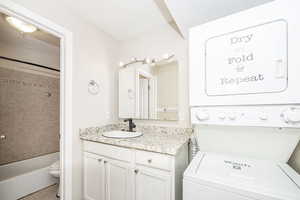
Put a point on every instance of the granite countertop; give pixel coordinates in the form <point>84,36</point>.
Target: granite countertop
<point>165,140</point>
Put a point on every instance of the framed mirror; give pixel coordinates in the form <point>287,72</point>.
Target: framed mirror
<point>149,91</point>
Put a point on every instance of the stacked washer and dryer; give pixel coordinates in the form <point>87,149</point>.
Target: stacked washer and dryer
<point>245,71</point>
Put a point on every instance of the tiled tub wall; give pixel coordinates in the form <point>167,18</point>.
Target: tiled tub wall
<point>29,115</point>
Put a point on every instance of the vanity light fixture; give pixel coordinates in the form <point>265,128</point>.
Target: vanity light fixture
<point>165,57</point>
<point>168,57</point>
<point>134,59</point>
<point>147,60</point>
<point>20,25</point>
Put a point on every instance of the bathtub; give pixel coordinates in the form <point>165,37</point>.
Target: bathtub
<point>21,178</point>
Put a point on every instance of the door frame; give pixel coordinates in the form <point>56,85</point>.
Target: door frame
<point>152,96</point>
<point>66,129</point>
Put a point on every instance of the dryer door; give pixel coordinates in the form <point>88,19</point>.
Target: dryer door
<point>248,58</point>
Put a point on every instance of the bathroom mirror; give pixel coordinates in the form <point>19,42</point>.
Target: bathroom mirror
<point>149,91</point>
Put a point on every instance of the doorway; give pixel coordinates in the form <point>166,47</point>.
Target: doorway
<point>29,108</point>
<point>9,8</point>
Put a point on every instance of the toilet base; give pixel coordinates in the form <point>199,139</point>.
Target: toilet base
<point>58,192</point>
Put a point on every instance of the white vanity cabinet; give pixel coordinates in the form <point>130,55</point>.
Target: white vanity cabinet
<point>117,173</point>
<point>102,176</point>
<point>118,179</point>
<point>107,172</point>
<point>152,184</point>
<point>94,177</point>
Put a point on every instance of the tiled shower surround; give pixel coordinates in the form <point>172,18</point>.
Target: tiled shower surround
<point>29,115</point>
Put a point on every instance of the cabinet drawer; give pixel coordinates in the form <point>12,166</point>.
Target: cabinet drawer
<point>154,160</point>
<point>109,151</point>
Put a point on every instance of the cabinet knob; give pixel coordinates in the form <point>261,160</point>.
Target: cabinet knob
<point>136,171</point>
<point>100,160</point>
<point>150,161</point>
<point>105,161</point>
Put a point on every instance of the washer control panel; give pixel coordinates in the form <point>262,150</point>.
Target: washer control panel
<point>267,116</point>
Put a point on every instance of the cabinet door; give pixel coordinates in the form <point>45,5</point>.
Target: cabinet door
<point>152,184</point>
<point>93,177</point>
<point>118,180</point>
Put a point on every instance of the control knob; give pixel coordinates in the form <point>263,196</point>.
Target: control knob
<point>222,116</point>
<point>291,115</point>
<point>263,116</point>
<point>202,115</point>
<point>232,116</point>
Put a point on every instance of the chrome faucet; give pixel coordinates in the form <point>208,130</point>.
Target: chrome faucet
<point>131,124</point>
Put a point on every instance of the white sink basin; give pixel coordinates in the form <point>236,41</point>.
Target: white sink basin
<point>121,134</point>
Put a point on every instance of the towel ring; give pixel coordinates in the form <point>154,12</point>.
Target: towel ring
<point>93,87</point>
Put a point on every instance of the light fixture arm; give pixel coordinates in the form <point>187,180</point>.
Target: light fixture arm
<point>166,57</point>
<point>135,60</point>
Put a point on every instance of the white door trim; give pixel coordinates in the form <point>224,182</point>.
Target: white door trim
<point>153,93</point>
<point>10,8</point>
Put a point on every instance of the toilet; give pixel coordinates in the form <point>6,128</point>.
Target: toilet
<point>54,170</point>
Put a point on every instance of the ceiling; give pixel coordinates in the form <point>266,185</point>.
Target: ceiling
<point>124,19</point>
<point>190,13</point>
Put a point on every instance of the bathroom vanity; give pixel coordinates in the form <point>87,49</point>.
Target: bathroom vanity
<point>119,165</point>
<point>143,168</point>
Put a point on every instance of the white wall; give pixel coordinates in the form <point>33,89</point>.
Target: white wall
<point>95,54</point>
<point>154,44</point>
<point>211,138</point>
<point>167,89</point>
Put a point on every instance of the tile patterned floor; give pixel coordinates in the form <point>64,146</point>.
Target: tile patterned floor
<point>48,193</point>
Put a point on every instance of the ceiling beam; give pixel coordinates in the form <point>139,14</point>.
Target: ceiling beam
<point>167,15</point>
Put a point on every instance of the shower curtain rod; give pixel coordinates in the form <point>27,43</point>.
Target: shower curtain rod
<point>29,63</point>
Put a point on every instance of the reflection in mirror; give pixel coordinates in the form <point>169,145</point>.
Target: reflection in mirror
<point>149,91</point>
